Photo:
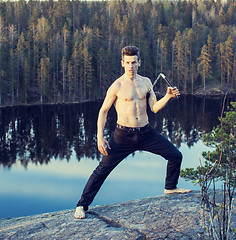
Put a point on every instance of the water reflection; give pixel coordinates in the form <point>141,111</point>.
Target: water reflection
<point>39,133</point>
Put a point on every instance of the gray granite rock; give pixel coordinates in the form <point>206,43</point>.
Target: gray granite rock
<point>175,216</point>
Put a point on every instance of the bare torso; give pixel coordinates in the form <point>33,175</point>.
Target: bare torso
<point>131,104</point>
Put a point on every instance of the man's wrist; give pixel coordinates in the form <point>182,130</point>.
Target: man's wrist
<point>100,136</point>
<point>168,96</point>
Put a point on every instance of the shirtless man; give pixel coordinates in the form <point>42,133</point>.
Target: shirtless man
<point>133,132</point>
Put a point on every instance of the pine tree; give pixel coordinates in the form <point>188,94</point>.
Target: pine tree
<point>12,70</point>
<point>64,78</point>
<point>20,56</point>
<point>187,68</point>
<point>163,55</point>
<point>204,66</point>
<point>43,78</point>
<point>42,36</point>
<point>222,17</point>
<point>12,76</point>
<point>229,58</point>
<point>210,48</point>
<point>220,50</point>
<point>65,39</point>
<point>193,76</point>
<point>76,69</point>
<point>231,13</point>
<point>189,53</point>
<point>223,32</point>
<point>70,78</point>
<point>87,73</point>
<point>26,80</point>
<point>179,57</point>
<point>190,42</point>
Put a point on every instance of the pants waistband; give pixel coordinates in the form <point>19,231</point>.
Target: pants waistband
<point>131,129</point>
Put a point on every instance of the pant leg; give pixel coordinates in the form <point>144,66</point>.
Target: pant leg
<point>121,147</point>
<point>157,144</point>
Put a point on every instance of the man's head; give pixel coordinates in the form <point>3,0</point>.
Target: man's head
<point>130,51</point>
<point>130,60</point>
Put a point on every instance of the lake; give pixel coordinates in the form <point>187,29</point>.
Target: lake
<point>47,153</point>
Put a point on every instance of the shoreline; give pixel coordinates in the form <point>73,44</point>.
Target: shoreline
<point>197,95</point>
<point>48,104</point>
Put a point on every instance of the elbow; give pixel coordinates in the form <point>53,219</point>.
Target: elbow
<point>103,112</point>
<point>155,109</point>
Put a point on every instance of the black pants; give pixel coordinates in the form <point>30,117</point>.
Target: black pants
<point>124,142</point>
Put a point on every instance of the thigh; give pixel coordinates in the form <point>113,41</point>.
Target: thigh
<point>158,144</point>
<point>120,149</point>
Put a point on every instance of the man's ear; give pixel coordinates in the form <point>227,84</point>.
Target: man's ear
<point>139,62</point>
<point>122,63</point>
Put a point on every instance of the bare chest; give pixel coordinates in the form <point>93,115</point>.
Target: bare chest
<point>132,92</point>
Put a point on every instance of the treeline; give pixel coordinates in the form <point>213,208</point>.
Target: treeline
<point>67,51</point>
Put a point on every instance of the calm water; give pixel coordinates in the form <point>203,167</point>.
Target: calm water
<point>48,152</point>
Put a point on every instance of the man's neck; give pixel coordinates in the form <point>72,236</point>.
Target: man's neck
<point>130,78</point>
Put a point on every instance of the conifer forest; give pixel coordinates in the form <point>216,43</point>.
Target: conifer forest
<point>69,50</point>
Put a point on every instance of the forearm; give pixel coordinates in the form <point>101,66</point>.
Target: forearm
<point>101,123</point>
<point>103,144</point>
<point>161,103</point>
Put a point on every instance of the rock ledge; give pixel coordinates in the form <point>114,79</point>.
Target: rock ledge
<point>175,216</point>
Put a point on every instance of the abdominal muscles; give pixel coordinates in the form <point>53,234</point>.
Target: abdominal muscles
<point>131,113</point>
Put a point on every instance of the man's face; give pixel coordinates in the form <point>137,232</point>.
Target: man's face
<point>130,64</point>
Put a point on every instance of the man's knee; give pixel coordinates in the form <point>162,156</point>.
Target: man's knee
<point>102,169</point>
<point>179,156</point>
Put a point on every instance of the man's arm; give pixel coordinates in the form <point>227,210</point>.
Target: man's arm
<point>102,143</point>
<point>158,105</point>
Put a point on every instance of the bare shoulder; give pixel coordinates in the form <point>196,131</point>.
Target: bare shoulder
<point>146,81</point>
<point>117,83</point>
<point>115,86</point>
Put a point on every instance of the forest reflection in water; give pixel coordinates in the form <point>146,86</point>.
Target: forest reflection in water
<point>34,136</point>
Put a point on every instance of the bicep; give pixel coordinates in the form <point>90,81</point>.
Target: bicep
<point>109,100</point>
<point>152,99</point>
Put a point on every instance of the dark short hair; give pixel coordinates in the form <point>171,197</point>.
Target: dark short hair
<point>130,51</point>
